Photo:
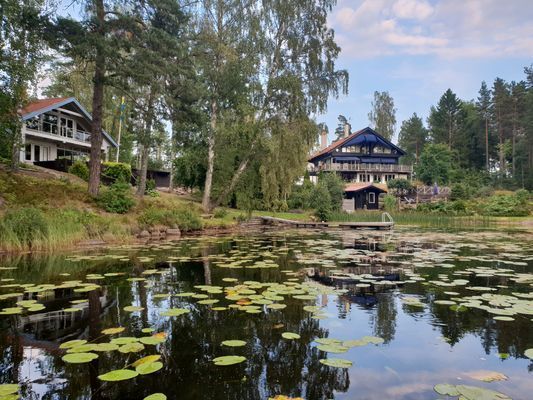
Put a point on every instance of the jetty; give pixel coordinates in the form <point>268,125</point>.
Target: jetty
<point>386,223</point>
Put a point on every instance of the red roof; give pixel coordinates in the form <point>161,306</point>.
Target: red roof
<point>336,144</point>
<point>40,104</point>
<point>356,187</point>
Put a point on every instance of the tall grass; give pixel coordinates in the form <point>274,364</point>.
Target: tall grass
<point>418,218</point>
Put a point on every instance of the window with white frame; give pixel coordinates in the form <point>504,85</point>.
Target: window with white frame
<point>371,198</point>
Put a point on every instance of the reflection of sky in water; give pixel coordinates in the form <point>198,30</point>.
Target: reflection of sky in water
<point>414,357</point>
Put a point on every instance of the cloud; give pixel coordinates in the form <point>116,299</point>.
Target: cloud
<point>447,28</point>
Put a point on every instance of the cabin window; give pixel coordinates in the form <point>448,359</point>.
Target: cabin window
<point>67,127</point>
<point>50,123</point>
<point>371,198</point>
<point>33,123</point>
<point>376,178</point>
<point>37,153</point>
<point>27,150</point>
<point>378,149</point>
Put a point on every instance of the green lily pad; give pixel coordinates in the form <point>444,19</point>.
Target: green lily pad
<point>152,340</point>
<point>332,348</point>
<point>79,358</point>
<point>373,339</point>
<point>147,330</point>
<point>105,347</point>
<point>133,308</point>
<point>229,360</point>
<point>156,396</point>
<point>147,359</point>
<point>234,343</point>
<point>477,393</point>
<point>148,368</point>
<point>118,375</point>
<point>336,362</point>
<point>72,343</point>
<point>290,335</point>
<point>134,347</point>
<point>124,340</point>
<point>174,312</point>
<point>8,388</point>
<point>446,389</point>
<point>529,353</point>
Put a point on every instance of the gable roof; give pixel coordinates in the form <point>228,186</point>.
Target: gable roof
<point>43,105</point>
<point>357,187</point>
<point>364,135</point>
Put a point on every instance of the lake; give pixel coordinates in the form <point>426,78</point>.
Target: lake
<point>408,314</point>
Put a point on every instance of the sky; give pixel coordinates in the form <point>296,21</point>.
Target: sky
<point>416,49</point>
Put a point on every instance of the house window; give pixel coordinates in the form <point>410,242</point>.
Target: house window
<point>50,123</point>
<point>33,123</point>
<point>27,150</point>
<point>376,178</point>
<point>371,198</point>
<point>36,153</point>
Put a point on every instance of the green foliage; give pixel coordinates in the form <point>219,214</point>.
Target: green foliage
<point>508,205</point>
<point>435,164</point>
<point>399,184</point>
<point>383,114</point>
<point>80,169</point>
<point>220,213</point>
<point>300,197</point>
<point>412,138</point>
<point>24,225</point>
<point>390,203</point>
<point>116,171</point>
<point>322,203</point>
<point>117,198</point>
<point>334,185</point>
<point>185,219</point>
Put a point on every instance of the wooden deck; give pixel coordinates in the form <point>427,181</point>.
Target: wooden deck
<point>313,224</point>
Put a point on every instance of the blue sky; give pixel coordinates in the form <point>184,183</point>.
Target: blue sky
<point>416,49</point>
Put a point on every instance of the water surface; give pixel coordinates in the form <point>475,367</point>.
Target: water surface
<point>389,286</point>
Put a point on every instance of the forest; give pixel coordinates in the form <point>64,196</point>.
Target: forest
<point>217,91</point>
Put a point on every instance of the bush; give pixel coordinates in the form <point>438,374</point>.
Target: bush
<point>117,198</point>
<point>300,197</point>
<point>80,169</point>
<point>505,205</point>
<point>220,213</point>
<point>25,225</point>
<point>117,171</point>
<point>93,224</point>
<point>390,203</point>
<point>321,202</point>
<point>183,218</point>
<point>335,187</point>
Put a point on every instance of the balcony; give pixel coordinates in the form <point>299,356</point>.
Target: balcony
<point>64,135</point>
<point>363,167</point>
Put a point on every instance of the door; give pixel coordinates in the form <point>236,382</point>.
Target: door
<point>36,153</point>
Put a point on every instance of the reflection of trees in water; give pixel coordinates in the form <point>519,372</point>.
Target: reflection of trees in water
<point>383,318</point>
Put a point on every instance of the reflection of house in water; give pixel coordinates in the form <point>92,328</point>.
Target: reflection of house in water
<point>56,324</point>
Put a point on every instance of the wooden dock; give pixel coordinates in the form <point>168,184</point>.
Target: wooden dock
<point>384,224</point>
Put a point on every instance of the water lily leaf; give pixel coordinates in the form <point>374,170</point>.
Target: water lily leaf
<point>118,375</point>
<point>147,359</point>
<point>152,340</point>
<point>446,389</point>
<point>529,353</point>
<point>133,308</point>
<point>82,348</point>
<point>79,358</point>
<point>290,335</point>
<point>11,311</point>
<point>336,362</point>
<point>373,339</point>
<point>104,347</point>
<point>234,343</point>
<point>355,343</point>
<point>148,368</point>
<point>72,343</point>
<point>156,396</point>
<point>124,340</point>
<point>477,393</point>
<point>486,376</point>
<point>229,360</point>
<point>208,301</point>
<point>147,330</point>
<point>8,388</point>
<point>328,341</point>
<point>113,331</point>
<point>332,348</point>
<point>174,312</point>
<point>134,347</point>
<point>276,306</point>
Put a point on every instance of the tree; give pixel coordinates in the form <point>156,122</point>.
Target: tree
<point>103,38</point>
<point>383,114</point>
<point>501,103</point>
<point>443,119</point>
<point>22,51</point>
<point>277,65</point>
<point>435,164</point>
<point>413,137</point>
<point>484,108</point>
<point>342,126</point>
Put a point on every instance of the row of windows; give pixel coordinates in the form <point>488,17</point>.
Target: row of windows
<point>53,124</point>
<point>366,150</point>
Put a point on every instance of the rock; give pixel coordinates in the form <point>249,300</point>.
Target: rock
<point>144,234</point>
<point>173,232</point>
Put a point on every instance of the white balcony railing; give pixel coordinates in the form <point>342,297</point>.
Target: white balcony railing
<point>363,167</point>
<point>78,135</point>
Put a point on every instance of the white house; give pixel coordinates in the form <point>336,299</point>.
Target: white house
<point>58,129</point>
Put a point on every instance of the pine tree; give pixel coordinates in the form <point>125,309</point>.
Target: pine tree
<point>501,104</point>
<point>484,108</point>
<point>413,137</point>
<point>383,114</point>
<point>443,119</point>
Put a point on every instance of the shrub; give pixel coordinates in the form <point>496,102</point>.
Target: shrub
<point>220,213</point>
<point>321,202</point>
<point>183,218</point>
<point>93,224</point>
<point>506,205</point>
<point>459,192</point>
<point>80,169</point>
<point>117,171</point>
<point>117,198</point>
<point>335,187</point>
<point>25,225</point>
<point>300,197</point>
<point>389,202</point>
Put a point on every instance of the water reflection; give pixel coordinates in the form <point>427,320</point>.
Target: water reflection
<point>373,272</point>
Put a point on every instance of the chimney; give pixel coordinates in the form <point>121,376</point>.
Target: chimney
<point>347,129</point>
<point>323,139</point>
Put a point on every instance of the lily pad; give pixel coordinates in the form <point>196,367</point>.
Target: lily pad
<point>133,308</point>
<point>152,340</point>
<point>79,358</point>
<point>148,368</point>
<point>336,362</point>
<point>234,343</point>
<point>147,360</point>
<point>290,335</point>
<point>8,388</point>
<point>118,375</point>
<point>229,360</point>
<point>446,389</point>
<point>529,353</point>
<point>72,343</point>
<point>113,331</point>
<point>332,348</point>
<point>174,312</point>
<point>134,347</point>
<point>477,393</point>
<point>156,396</point>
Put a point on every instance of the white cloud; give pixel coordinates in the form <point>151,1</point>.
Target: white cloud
<point>448,29</point>
<point>412,9</point>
